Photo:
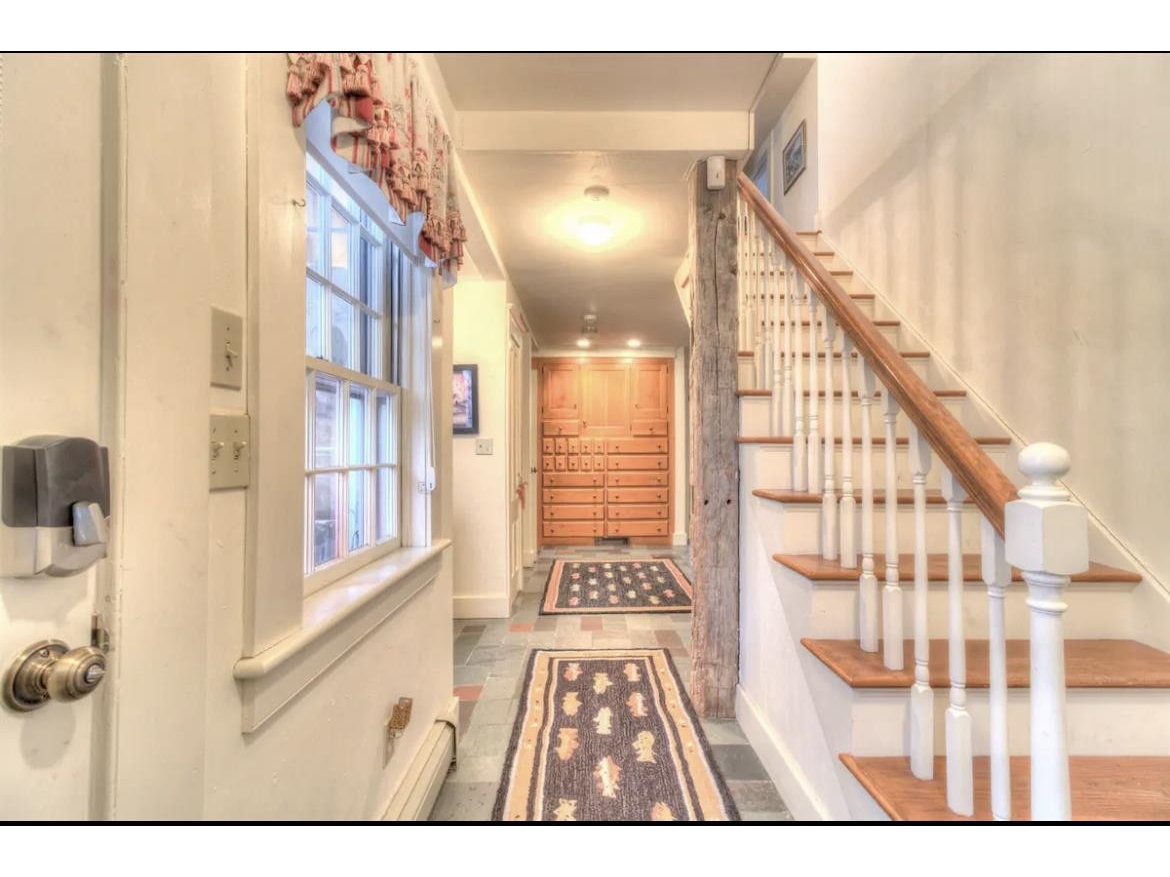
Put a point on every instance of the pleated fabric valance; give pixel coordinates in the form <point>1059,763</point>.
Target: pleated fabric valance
<point>383,123</point>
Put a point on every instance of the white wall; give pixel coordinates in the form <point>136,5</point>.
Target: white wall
<point>799,204</point>
<point>481,489</point>
<point>1014,208</point>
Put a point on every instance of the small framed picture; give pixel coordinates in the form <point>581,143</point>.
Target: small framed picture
<point>794,156</point>
<point>465,400</point>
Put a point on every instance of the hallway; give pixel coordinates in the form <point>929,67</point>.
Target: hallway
<point>490,657</point>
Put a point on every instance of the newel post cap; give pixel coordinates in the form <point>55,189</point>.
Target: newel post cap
<point>1044,530</point>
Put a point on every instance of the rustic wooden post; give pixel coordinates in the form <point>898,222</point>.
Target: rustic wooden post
<point>715,454</point>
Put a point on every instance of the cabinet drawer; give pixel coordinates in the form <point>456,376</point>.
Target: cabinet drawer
<point>574,513</point>
<point>587,464</point>
<point>560,479</point>
<point>622,462</point>
<point>574,448</point>
<point>586,446</point>
<point>546,463</point>
<point>636,494</point>
<point>561,427</point>
<point>548,446</point>
<point>648,427</point>
<point>637,513</point>
<point>639,446</point>
<point>562,445</point>
<point>636,479</point>
<point>579,495</point>
<point>572,528</point>
<point>561,464</point>
<point>573,464</point>
<point>634,528</point>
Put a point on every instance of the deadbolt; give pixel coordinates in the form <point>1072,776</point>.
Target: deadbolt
<point>50,670</point>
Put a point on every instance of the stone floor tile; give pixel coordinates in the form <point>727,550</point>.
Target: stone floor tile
<point>755,796</point>
<point>520,628</point>
<point>779,816</point>
<point>477,768</point>
<point>592,622</point>
<point>509,668</point>
<point>466,709</point>
<point>723,731</point>
<point>614,622</point>
<point>486,739</point>
<point>643,639</point>
<point>546,623</point>
<point>496,712</point>
<point>738,762</point>
<point>468,692</point>
<point>578,640</point>
<point>464,644</point>
<point>669,639</point>
<point>473,628</point>
<point>464,802</point>
<point>501,688</point>
<point>470,674</point>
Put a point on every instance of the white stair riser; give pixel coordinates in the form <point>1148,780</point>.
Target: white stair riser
<point>1101,721</point>
<point>1095,611</point>
<point>800,529</point>
<point>754,415</point>
<point>776,466</point>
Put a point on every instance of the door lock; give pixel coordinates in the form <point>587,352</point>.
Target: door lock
<point>50,670</point>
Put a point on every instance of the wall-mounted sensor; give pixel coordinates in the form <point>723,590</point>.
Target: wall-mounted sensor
<point>716,172</point>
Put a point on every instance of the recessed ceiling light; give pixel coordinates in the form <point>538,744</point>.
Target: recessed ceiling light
<point>582,342</point>
<point>594,230</point>
<point>634,342</point>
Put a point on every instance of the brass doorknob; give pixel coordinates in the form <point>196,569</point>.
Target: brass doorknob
<point>50,670</point>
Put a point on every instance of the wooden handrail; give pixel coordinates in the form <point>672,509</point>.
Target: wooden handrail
<point>983,480</point>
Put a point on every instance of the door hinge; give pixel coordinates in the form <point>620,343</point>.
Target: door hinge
<point>99,635</point>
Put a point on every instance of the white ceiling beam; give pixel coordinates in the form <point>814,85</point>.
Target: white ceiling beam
<point>703,132</point>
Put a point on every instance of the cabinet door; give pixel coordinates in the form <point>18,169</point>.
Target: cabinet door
<point>560,391</point>
<point>606,402</point>
<point>651,390</point>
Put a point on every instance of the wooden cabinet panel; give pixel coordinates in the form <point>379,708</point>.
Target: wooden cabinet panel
<point>572,495</point>
<point>636,494</point>
<point>635,528</point>
<point>572,529</point>
<point>560,391</point>
<point>574,513</point>
<point>606,400</point>
<point>636,513</point>
<point>637,479</point>
<point>561,427</point>
<point>651,390</point>
<point>616,462</point>
<point>548,446</point>
<point>560,479</point>
<point>639,446</point>
<point>648,427</point>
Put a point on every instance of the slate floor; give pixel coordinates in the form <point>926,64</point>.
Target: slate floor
<point>489,666</point>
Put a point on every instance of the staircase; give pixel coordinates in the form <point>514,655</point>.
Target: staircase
<point>893,665</point>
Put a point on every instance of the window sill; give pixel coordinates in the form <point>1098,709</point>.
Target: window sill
<point>335,619</point>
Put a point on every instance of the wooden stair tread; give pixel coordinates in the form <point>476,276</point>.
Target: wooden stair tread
<point>742,393</point>
<point>877,441</point>
<point>1104,788</point>
<point>817,569</point>
<point>803,497</point>
<point>905,354</point>
<point>1088,663</point>
<point>837,394</point>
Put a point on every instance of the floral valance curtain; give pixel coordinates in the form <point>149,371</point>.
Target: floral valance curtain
<point>383,123</point>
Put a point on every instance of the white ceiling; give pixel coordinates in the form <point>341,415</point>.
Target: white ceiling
<point>523,192</point>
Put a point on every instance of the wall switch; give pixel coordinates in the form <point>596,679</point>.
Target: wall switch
<point>227,349</point>
<point>230,452</point>
<point>483,446</point>
<point>716,172</point>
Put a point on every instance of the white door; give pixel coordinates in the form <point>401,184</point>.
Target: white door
<point>51,374</point>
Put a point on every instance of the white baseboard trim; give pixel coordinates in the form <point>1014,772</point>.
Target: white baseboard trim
<point>529,556</point>
<point>792,784</point>
<point>678,539</point>
<point>479,606</point>
<point>424,778</point>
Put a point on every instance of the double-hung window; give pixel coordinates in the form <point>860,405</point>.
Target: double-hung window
<point>356,295</point>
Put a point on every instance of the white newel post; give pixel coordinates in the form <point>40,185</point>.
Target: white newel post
<point>848,507</point>
<point>1047,538</point>
<point>921,697</point>
<point>960,763</point>
<point>868,589</point>
<point>829,521</point>
<point>799,443</point>
<point>997,576</point>
<point>893,652</point>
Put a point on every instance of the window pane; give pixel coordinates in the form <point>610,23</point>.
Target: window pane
<point>359,418</point>
<point>368,338</point>
<point>339,267</point>
<point>356,531</point>
<point>387,503</point>
<point>327,422</point>
<point>341,336</point>
<point>313,236</point>
<point>387,429</point>
<point>369,256</point>
<point>314,319</point>
<point>326,508</point>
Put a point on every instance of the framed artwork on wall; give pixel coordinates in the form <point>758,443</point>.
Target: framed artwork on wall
<point>465,400</point>
<point>794,156</point>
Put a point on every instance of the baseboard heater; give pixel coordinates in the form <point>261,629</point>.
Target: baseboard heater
<point>423,781</point>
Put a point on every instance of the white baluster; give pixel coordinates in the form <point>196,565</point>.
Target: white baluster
<point>814,422</point>
<point>997,575</point>
<point>1048,540</point>
<point>789,292</point>
<point>829,532</point>
<point>868,588</point>
<point>893,651</point>
<point>848,509</point>
<point>779,425</point>
<point>921,697</point>
<point>759,289</point>
<point>741,271</point>
<point>799,443</point>
<point>769,310</point>
<point>960,769</point>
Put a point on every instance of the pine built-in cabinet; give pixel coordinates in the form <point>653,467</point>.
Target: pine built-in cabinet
<point>605,450</point>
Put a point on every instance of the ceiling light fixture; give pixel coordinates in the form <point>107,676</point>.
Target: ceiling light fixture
<point>633,342</point>
<point>582,342</point>
<point>595,229</point>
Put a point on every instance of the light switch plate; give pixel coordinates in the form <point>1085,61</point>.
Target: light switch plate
<point>227,349</point>
<point>716,172</point>
<point>483,446</point>
<point>230,451</point>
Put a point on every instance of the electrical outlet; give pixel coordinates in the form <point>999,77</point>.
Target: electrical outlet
<point>399,718</point>
<point>483,446</point>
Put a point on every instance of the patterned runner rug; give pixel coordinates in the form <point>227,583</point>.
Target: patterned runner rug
<point>608,736</point>
<point>600,586</point>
